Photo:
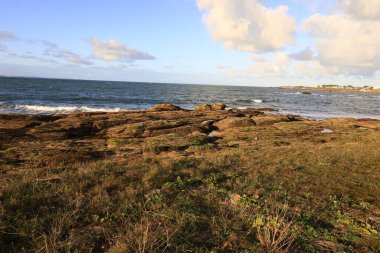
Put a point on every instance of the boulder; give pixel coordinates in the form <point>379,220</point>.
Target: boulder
<point>327,131</point>
<point>164,107</point>
<point>234,122</point>
<point>208,122</point>
<point>205,107</point>
<point>215,134</point>
<point>218,106</point>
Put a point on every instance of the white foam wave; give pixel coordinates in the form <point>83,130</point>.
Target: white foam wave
<point>257,101</point>
<point>63,109</point>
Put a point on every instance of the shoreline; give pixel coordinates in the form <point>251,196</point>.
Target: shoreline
<point>266,110</point>
<point>374,91</point>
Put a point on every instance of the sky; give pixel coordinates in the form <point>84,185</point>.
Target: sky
<point>228,42</point>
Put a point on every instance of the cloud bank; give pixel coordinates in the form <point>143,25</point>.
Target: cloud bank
<point>364,9</point>
<point>348,41</point>
<point>344,42</point>
<point>248,25</point>
<point>113,50</point>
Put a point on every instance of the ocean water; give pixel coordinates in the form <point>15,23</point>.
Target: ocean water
<point>48,96</point>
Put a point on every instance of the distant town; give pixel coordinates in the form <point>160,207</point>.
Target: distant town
<point>333,87</point>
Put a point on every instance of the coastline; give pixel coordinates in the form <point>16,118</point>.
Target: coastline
<point>109,181</point>
<point>375,91</point>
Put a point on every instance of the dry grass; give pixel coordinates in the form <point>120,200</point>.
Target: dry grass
<point>276,231</point>
<point>282,188</point>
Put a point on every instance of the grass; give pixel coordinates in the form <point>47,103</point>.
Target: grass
<point>280,190</point>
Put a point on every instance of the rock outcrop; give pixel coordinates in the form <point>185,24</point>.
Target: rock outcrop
<point>234,122</point>
<point>265,120</point>
<point>205,107</point>
<point>218,106</point>
<point>210,107</point>
<point>160,128</point>
<point>164,107</point>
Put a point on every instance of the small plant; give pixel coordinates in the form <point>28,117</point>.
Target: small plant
<point>275,230</point>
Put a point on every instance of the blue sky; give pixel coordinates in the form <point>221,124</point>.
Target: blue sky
<point>179,41</point>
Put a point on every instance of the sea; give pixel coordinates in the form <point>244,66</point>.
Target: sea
<point>52,96</point>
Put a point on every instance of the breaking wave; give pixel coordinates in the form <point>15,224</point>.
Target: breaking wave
<point>63,109</point>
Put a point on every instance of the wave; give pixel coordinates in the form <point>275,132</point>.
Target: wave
<point>257,101</point>
<point>63,109</point>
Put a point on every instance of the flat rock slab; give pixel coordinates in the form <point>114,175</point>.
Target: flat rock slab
<point>234,122</point>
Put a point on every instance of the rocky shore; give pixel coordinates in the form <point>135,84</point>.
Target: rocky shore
<point>169,179</point>
<point>101,132</point>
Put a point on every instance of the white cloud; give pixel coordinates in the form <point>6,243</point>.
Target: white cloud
<point>248,25</point>
<point>349,44</point>
<point>113,50</point>
<point>365,9</point>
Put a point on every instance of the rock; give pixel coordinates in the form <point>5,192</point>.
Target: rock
<point>215,134</point>
<point>212,107</point>
<point>372,124</point>
<point>327,131</point>
<point>205,107</point>
<point>266,120</point>
<point>218,106</point>
<point>182,130</point>
<point>266,109</point>
<point>246,111</point>
<point>164,124</point>
<point>306,93</point>
<point>207,122</point>
<point>164,107</point>
<point>233,122</point>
